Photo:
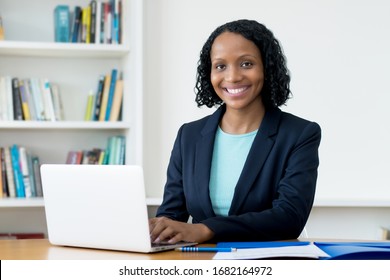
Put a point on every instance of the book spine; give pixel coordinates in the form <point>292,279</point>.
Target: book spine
<point>19,185</point>
<point>88,25</point>
<point>24,100</point>
<point>76,24</point>
<point>38,101</point>
<point>93,6</point>
<point>106,89</point>
<point>115,23</point>
<point>18,112</point>
<point>121,150</point>
<point>31,174</point>
<point>102,23</point>
<point>3,181</point>
<point>48,100</point>
<point>98,98</point>
<point>9,172</point>
<point>30,99</point>
<point>3,100</point>
<point>117,102</point>
<point>37,176</point>
<point>111,93</point>
<point>89,111</point>
<point>1,29</point>
<point>107,23</point>
<point>8,89</point>
<point>98,21</point>
<point>62,23</point>
<point>57,103</point>
<point>24,171</point>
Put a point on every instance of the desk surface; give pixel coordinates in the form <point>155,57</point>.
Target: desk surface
<point>41,249</point>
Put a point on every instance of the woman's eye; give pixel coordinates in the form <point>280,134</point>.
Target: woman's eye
<point>219,66</point>
<point>246,64</point>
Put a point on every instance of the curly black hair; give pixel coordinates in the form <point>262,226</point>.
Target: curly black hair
<point>276,89</point>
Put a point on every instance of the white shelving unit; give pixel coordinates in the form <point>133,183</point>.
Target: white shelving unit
<point>29,51</point>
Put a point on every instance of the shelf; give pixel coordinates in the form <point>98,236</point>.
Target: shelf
<point>39,202</point>
<point>63,125</point>
<point>75,50</point>
<point>21,202</point>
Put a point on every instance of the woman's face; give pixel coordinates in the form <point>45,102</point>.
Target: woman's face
<point>237,71</point>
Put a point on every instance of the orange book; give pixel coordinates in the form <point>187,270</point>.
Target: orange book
<point>117,101</point>
<point>106,90</point>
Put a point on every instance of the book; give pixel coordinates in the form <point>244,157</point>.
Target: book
<point>98,22</point>
<point>61,23</point>
<point>38,99</point>
<point>121,150</point>
<point>3,100</point>
<point>23,162</point>
<point>24,235</point>
<point>106,90</point>
<point>115,21</point>
<point>86,25</point>
<point>107,23</point>
<point>385,233</point>
<point>18,177</point>
<point>9,97</point>
<point>117,101</point>
<point>24,100</point>
<point>89,109</point>
<point>1,29</point>
<point>76,24</point>
<point>93,7</point>
<point>37,175</point>
<point>3,180</point>
<point>98,98</point>
<point>9,172</point>
<point>74,157</point>
<point>31,174</point>
<point>47,100</point>
<point>30,99</point>
<point>58,106</point>
<point>102,22</point>
<point>114,74</point>
<point>17,106</point>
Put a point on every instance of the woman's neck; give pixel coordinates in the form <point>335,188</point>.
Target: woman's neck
<point>242,121</point>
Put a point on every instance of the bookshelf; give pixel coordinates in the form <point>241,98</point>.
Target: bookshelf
<point>29,51</point>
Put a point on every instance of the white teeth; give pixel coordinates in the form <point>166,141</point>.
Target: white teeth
<point>235,90</point>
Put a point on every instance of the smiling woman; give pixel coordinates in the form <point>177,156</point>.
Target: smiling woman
<point>249,170</point>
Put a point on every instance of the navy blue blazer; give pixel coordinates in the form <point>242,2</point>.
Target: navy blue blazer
<point>275,192</point>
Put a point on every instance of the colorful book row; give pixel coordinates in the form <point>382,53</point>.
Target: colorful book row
<point>100,22</point>
<point>106,103</point>
<point>113,154</point>
<point>20,173</point>
<point>29,99</point>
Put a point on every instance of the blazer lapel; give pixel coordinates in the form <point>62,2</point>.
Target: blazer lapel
<point>258,154</point>
<point>203,157</point>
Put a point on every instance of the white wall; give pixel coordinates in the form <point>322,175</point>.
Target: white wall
<point>337,51</point>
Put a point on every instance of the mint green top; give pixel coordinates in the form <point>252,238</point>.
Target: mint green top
<point>229,156</point>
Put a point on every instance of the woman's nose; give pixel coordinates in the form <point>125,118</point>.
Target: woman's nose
<point>233,74</point>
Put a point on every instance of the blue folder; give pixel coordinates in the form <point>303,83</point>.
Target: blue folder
<point>261,244</point>
<point>356,250</point>
<point>336,250</point>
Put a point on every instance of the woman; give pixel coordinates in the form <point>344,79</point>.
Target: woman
<point>248,171</point>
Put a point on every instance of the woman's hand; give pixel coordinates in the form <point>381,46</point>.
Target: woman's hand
<point>165,229</point>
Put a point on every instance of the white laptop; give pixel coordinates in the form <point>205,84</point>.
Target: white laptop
<point>98,206</point>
